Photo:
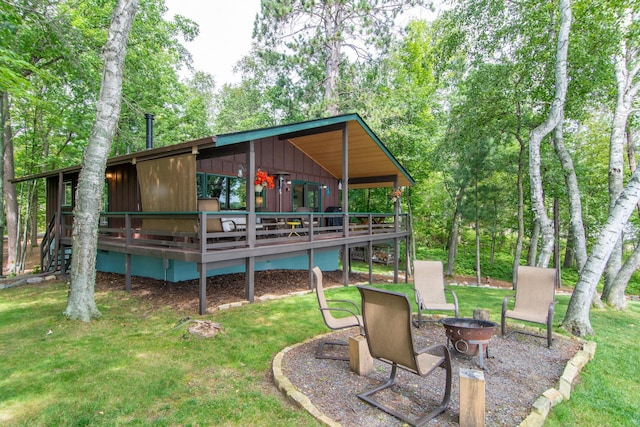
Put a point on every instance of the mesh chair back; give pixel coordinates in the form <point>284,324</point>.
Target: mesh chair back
<point>387,324</point>
<point>429,281</point>
<point>535,290</point>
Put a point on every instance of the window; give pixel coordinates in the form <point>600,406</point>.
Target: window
<point>229,190</point>
<point>68,193</point>
<point>306,194</point>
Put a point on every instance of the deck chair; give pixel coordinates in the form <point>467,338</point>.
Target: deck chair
<point>534,299</point>
<point>214,224</point>
<point>428,278</point>
<point>335,323</point>
<point>387,326</point>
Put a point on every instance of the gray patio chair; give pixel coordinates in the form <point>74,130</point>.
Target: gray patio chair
<point>428,286</point>
<point>387,326</point>
<point>534,299</point>
<point>352,319</point>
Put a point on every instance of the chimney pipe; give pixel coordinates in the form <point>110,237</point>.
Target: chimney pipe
<point>149,119</point>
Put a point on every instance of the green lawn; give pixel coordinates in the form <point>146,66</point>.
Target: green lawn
<point>135,367</point>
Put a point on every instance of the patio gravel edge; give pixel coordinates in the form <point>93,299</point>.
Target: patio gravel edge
<point>536,418</point>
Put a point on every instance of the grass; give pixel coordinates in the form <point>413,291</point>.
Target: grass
<point>135,367</point>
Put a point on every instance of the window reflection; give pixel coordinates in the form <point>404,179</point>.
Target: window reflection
<point>229,190</point>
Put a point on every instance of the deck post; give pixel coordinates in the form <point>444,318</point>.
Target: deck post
<point>249,275</point>
<point>202,269</point>
<point>127,272</point>
<point>345,265</point>
<point>310,255</point>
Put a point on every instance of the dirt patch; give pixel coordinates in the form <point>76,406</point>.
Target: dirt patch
<point>224,289</point>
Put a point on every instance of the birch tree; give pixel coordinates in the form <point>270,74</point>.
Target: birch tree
<point>81,304</point>
<point>555,117</point>
<point>627,72</point>
<point>577,318</point>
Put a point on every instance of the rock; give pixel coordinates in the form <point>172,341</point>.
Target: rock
<point>205,328</point>
<point>32,280</point>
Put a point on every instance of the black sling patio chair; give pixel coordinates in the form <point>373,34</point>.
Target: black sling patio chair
<point>389,332</point>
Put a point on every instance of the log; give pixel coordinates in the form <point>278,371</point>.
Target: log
<point>360,361</point>
<point>472,398</point>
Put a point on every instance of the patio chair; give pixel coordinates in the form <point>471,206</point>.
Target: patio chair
<point>428,279</point>
<point>335,323</point>
<point>534,299</point>
<point>214,224</point>
<point>387,326</point>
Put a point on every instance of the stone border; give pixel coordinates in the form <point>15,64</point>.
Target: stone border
<point>536,418</point>
<point>286,387</point>
<point>553,396</point>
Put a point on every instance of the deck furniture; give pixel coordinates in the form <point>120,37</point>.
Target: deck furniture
<point>534,300</point>
<point>429,288</point>
<point>352,319</point>
<point>387,326</point>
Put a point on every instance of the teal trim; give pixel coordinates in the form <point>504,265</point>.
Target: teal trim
<point>178,271</point>
<point>236,137</point>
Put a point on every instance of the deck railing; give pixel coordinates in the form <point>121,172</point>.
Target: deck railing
<point>189,229</point>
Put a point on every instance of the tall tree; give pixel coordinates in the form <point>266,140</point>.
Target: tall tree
<point>555,117</point>
<point>577,319</point>
<point>81,303</point>
<point>627,72</point>
<point>313,36</point>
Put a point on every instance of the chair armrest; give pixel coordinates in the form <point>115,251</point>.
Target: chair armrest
<point>505,301</point>
<point>356,316</point>
<point>431,348</point>
<point>455,300</point>
<point>346,302</point>
<point>228,225</point>
<point>418,297</point>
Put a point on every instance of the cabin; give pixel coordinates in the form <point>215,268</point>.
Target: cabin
<point>199,208</point>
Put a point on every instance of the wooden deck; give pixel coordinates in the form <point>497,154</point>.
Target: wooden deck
<point>264,236</point>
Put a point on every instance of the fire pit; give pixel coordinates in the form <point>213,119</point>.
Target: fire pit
<point>469,335</point>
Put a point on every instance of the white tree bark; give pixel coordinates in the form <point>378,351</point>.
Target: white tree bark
<point>556,114</point>
<point>573,192</point>
<point>627,68</point>
<point>81,304</point>
<point>577,318</point>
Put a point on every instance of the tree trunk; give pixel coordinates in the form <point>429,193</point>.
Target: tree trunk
<point>11,203</point>
<point>333,23</point>
<point>452,246</point>
<point>477,219</point>
<point>4,122</point>
<point>533,244</point>
<point>579,242</point>
<point>569,252</point>
<point>619,285</point>
<point>626,91</point>
<point>577,317</point>
<point>520,238</point>
<point>536,135</point>
<point>81,304</point>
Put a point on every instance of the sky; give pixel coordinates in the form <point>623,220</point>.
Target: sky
<point>225,33</point>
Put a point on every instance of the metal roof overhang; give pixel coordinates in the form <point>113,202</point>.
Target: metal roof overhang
<point>370,164</point>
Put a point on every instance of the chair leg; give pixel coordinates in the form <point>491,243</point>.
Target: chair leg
<point>367,396</point>
<point>320,351</point>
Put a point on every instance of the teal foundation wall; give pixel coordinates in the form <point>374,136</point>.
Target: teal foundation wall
<point>177,271</point>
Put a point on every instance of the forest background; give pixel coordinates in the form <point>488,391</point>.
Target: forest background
<point>456,99</point>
